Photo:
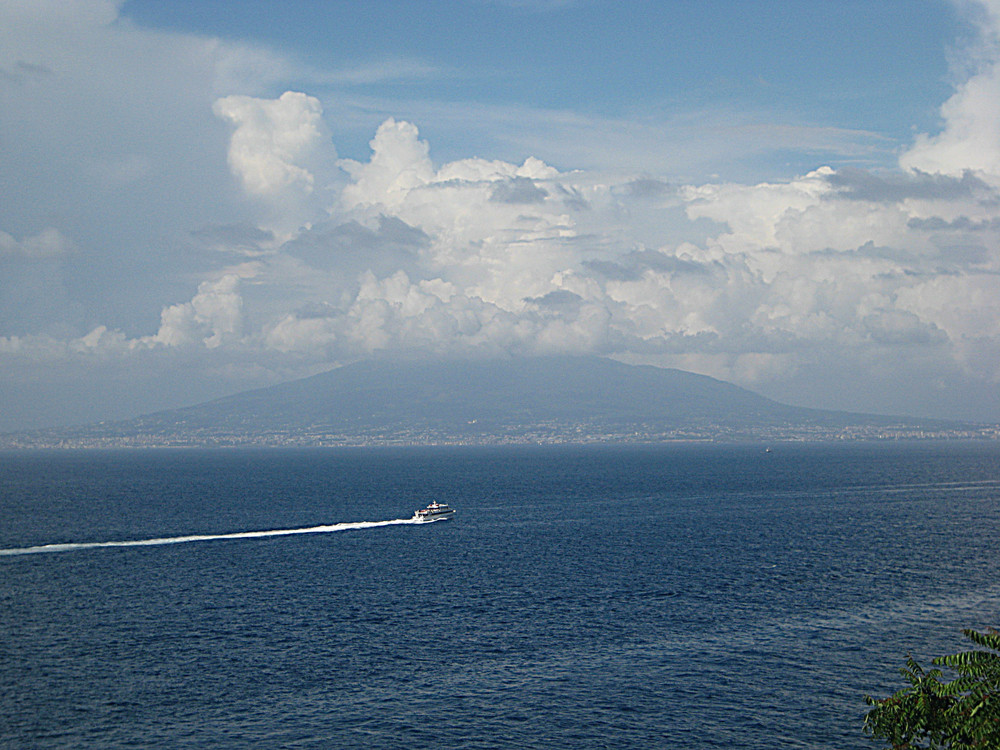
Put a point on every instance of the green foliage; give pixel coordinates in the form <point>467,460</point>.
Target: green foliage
<point>960,714</point>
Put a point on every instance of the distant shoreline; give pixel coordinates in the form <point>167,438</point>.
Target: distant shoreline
<point>59,440</point>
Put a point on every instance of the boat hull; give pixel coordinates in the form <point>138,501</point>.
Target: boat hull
<point>434,512</point>
<point>420,516</point>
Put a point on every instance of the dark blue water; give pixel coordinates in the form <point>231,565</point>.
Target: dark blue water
<point>682,597</point>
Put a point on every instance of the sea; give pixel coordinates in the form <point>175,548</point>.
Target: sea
<point>680,596</point>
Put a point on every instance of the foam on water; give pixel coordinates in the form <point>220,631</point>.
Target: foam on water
<point>327,529</point>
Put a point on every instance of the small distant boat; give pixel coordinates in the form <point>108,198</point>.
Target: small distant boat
<point>434,512</point>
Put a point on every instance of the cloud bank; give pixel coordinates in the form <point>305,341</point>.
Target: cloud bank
<point>844,288</point>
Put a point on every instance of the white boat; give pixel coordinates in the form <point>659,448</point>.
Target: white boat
<point>434,512</point>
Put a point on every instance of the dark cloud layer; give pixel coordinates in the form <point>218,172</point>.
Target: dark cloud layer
<point>861,185</point>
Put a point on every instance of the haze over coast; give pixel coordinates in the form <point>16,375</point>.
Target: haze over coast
<point>537,400</point>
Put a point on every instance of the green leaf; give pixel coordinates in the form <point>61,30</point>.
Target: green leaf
<point>958,714</point>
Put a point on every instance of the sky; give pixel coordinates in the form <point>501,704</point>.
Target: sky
<point>796,196</point>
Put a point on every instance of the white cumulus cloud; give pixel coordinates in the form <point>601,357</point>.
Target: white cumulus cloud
<point>970,138</point>
<point>273,140</point>
<point>213,317</point>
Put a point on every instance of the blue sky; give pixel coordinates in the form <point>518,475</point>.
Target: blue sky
<point>798,197</point>
<point>861,66</point>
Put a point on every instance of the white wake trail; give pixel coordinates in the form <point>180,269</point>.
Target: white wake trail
<point>72,546</point>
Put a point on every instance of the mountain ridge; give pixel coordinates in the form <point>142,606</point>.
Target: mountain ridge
<point>513,400</point>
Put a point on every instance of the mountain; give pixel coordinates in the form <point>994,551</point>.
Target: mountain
<point>541,399</point>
